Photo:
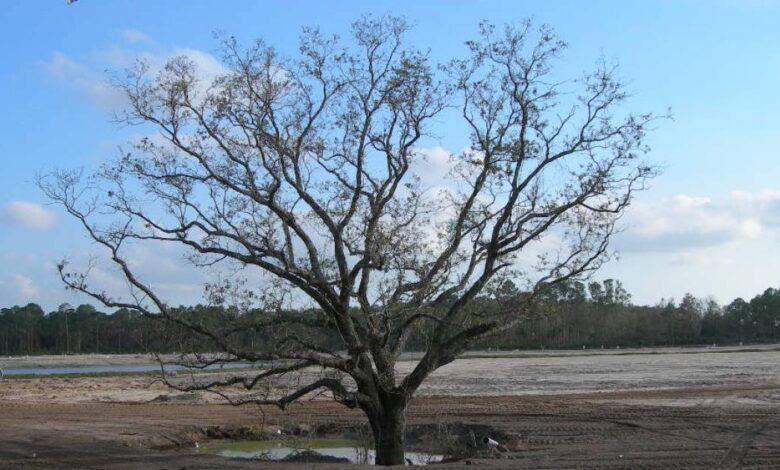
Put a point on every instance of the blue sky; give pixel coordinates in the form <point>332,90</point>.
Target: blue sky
<point>709,225</point>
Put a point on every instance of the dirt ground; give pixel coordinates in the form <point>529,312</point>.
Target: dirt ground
<point>666,409</point>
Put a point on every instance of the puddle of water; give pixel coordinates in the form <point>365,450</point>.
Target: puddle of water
<point>278,449</point>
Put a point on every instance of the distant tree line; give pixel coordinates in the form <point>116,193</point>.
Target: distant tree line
<point>571,315</point>
<point>601,314</point>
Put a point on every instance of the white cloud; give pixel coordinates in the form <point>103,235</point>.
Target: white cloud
<point>765,204</point>
<point>26,290</point>
<point>207,65</point>
<point>84,79</point>
<point>90,76</point>
<point>134,36</point>
<point>687,222</point>
<point>433,165</point>
<point>28,215</point>
<point>17,289</point>
<point>702,259</point>
<point>750,229</point>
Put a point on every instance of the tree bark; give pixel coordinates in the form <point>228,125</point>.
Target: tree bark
<point>388,421</point>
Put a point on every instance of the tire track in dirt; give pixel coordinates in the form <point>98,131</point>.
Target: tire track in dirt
<point>736,455</point>
<point>577,431</point>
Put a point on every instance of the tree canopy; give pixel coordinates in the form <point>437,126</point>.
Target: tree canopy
<point>299,173</point>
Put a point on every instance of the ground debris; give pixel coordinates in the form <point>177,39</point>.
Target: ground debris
<point>310,456</point>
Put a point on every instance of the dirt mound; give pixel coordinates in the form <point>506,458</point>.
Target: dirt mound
<point>309,456</point>
<point>177,397</point>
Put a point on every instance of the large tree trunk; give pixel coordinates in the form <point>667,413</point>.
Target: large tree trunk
<point>388,424</point>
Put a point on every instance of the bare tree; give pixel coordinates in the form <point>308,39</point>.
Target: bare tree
<point>300,172</point>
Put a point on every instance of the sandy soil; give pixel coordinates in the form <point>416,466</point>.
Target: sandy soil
<point>644,410</point>
<point>85,360</point>
<point>536,373</point>
<point>81,360</point>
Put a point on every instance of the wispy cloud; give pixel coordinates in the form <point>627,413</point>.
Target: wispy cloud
<point>89,82</point>
<point>27,291</point>
<point>18,289</point>
<point>90,75</point>
<point>27,215</point>
<point>134,36</point>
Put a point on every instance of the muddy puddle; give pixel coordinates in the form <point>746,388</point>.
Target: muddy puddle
<point>302,450</point>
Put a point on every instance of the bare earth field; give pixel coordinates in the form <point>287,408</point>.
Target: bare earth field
<point>662,408</point>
